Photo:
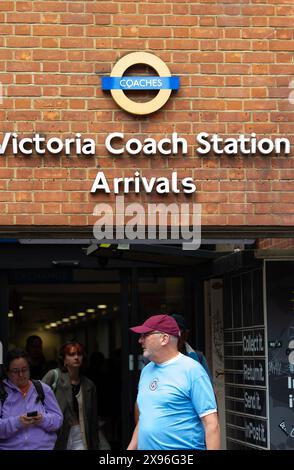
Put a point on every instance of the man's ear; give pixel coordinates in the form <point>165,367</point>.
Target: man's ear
<point>165,339</point>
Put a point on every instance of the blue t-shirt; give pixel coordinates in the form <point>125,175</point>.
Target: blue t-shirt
<point>172,398</point>
<point>198,356</point>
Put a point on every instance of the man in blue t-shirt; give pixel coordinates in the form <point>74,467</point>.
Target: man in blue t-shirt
<point>175,396</point>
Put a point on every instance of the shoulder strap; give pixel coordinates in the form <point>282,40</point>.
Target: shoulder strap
<point>37,384</point>
<point>3,396</point>
<point>40,391</point>
<point>56,378</point>
<point>3,393</point>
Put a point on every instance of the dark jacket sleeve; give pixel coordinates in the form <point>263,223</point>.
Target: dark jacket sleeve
<point>94,424</point>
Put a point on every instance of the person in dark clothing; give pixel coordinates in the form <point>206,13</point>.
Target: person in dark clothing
<point>36,358</point>
<point>76,395</point>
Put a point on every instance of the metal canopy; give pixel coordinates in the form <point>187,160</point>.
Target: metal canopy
<point>208,232</point>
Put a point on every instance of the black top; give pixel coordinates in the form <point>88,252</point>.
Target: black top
<point>75,391</point>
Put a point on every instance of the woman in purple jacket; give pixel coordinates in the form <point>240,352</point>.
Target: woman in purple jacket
<point>26,421</point>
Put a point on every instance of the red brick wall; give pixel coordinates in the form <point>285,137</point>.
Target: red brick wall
<point>235,61</point>
<point>269,243</point>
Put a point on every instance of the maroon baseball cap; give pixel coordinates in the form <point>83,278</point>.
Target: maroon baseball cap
<point>163,323</point>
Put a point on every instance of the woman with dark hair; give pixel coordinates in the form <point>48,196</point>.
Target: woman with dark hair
<point>29,412</point>
<point>76,395</point>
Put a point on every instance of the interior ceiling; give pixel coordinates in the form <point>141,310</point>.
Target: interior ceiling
<point>43,303</point>
<point>49,302</point>
<point>48,296</point>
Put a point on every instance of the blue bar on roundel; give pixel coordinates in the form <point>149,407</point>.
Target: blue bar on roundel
<point>141,83</point>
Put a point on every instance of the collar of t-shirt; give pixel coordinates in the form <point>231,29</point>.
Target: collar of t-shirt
<point>170,361</point>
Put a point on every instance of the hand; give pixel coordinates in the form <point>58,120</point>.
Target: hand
<point>29,420</point>
<point>26,420</point>
<point>37,419</point>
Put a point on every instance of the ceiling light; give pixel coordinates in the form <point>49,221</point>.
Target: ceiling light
<point>65,320</point>
<point>81,314</point>
<point>101,306</point>
<point>10,314</point>
<point>90,310</point>
<point>73,317</point>
<point>53,324</point>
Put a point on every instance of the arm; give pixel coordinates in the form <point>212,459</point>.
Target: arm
<point>9,423</point>
<point>10,426</point>
<point>136,412</point>
<point>52,417</point>
<point>212,431</point>
<point>133,445</point>
<point>94,422</point>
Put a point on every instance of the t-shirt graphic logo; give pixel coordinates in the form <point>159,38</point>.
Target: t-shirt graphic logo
<point>153,385</point>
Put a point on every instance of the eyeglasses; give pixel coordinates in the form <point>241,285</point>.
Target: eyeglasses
<point>24,370</point>
<point>144,335</point>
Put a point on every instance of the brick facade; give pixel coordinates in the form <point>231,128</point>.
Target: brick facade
<point>236,64</point>
<point>271,243</point>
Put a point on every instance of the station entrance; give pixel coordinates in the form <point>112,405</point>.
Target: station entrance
<point>59,292</point>
<point>228,296</point>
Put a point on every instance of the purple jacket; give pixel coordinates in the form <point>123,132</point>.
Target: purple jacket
<point>13,434</point>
